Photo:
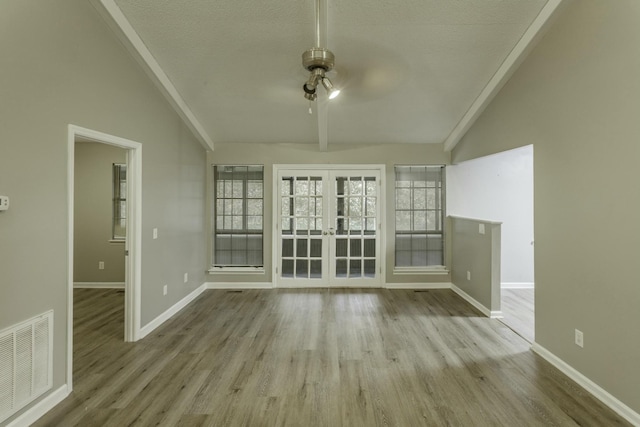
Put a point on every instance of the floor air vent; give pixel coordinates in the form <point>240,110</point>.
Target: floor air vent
<point>25,363</point>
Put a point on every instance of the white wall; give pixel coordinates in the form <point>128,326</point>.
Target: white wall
<point>386,154</point>
<point>499,188</point>
<point>577,100</point>
<point>62,65</point>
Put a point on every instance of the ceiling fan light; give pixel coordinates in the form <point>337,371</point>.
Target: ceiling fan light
<point>333,92</point>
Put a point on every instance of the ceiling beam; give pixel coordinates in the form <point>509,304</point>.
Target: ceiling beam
<point>506,70</point>
<point>322,109</point>
<point>116,20</point>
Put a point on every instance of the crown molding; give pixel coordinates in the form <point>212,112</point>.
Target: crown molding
<point>116,20</point>
<point>511,63</point>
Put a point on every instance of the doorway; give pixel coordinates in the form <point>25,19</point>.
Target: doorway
<point>499,187</point>
<point>328,226</point>
<point>132,245</point>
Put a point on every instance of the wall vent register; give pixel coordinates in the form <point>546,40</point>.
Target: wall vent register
<point>25,363</point>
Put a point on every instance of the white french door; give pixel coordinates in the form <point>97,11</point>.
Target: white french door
<point>328,227</point>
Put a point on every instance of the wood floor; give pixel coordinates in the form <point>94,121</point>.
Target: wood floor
<point>315,358</point>
<point>518,310</point>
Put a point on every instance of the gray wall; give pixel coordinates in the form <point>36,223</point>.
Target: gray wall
<point>479,255</point>
<point>61,65</point>
<point>270,154</point>
<point>499,188</point>
<point>93,214</point>
<point>577,100</point>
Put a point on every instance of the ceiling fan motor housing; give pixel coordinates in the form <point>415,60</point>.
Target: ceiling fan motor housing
<point>318,57</point>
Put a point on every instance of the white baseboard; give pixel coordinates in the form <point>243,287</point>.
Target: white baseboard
<point>438,285</point>
<point>239,285</point>
<point>517,285</point>
<point>98,285</point>
<point>484,310</point>
<point>32,414</point>
<point>171,311</point>
<point>593,388</point>
<point>269,285</point>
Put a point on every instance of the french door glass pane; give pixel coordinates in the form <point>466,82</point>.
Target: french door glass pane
<point>301,202</point>
<point>356,217</point>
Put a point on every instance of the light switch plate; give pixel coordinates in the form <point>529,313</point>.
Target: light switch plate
<point>155,233</point>
<point>4,203</point>
<point>481,228</point>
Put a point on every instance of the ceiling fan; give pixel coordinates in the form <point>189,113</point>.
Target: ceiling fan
<point>318,61</point>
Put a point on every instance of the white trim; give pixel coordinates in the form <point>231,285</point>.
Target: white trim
<point>434,285</point>
<point>598,392</point>
<point>36,411</point>
<point>134,230</point>
<point>114,16</point>
<point>237,270</point>
<point>485,221</point>
<point>269,285</point>
<point>239,285</point>
<point>517,285</point>
<point>98,285</point>
<point>502,75</point>
<point>171,311</point>
<point>324,285</point>
<point>484,310</point>
<point>422,271</point>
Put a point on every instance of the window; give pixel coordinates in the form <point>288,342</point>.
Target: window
<point>419,216</point>
<point>238,214</point>
<point>119,220</point>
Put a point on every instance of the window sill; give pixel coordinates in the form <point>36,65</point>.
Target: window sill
<point>236,270</point>
<point>439,270</point>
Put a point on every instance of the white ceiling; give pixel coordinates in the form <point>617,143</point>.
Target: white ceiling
<point>409,70</point>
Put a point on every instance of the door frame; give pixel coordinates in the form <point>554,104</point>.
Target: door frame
<point>277,168</point>
<point>133,243</point>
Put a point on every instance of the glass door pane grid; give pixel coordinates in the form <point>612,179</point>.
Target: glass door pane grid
<point>356,200</point>
<point>301,213</point>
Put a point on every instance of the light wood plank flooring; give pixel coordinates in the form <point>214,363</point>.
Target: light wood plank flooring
<point>315,358</point>
<point>518,310</point>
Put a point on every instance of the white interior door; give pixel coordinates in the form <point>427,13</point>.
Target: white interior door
<point>328,228</point>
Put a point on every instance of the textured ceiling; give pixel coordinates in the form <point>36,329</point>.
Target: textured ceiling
<point>409,70</point>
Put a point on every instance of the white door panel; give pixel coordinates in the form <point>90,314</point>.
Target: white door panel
<point>328,225</point>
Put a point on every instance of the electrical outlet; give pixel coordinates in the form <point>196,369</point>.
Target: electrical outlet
<point>100,265</point>
<point>186,277</point>
<point>164,290</point>
<point>579,338</point>
<point>155,233</point>
<point>468,275</point>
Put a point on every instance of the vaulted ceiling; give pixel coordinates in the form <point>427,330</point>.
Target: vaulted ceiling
<point>410,71</point>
